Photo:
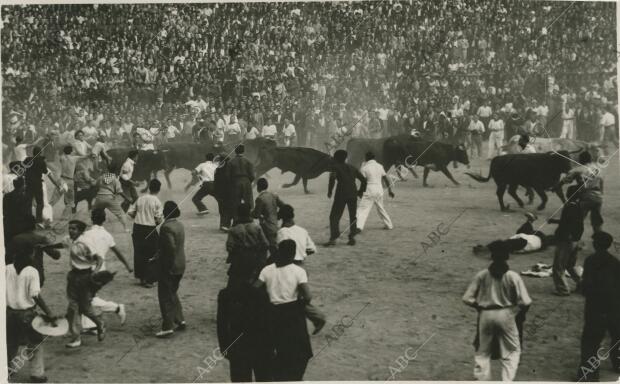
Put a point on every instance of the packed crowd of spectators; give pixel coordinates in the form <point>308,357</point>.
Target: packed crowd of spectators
<point>365,69</point>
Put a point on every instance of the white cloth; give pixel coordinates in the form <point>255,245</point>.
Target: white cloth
<point>99,241</point>
<point>283,283</point>
<point>206,171</point>
<point>608,119</point>
<point>301,238</point>
<point>7,182</point>
<point>147,210</point>
<point>21,289</point>
<point>529,148</point>
<point>20,152</point>
<point>127,169</point>
<point>533,242</point>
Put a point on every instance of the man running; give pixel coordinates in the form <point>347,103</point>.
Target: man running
<point>206,173</point>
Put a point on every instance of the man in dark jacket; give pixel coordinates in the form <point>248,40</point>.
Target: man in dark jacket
<point>223,184</point>
<point>172,267</point>
<point>266,210</point>
<point>601,288</point>
<point>247,249</point>
<point>241,173</point>
<point>567,235</point>
<point>16,208</point>
<point>346,195</point>
<point>36,167</point>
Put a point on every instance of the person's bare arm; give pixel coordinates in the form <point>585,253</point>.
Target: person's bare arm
<point>41,303</point>
<point>99,264</point>
<point>304,293</point>
<point>120,256</point>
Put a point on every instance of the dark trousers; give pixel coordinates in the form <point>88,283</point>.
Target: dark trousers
<point>207,188</point>
<point>80,293</point>
<point>241,368</point>
<point>145,239</point>
<point>594,328</point>
<point>169,303</point>
<point>224,206</point>
<point>130,191</point>
<point>336,214</point>
<point>36,192</point>
<point>241,191</point>
<point>290,369</point>
<point>594,208</point>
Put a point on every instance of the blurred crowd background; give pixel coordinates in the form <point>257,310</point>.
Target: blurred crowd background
<point>358,69</point>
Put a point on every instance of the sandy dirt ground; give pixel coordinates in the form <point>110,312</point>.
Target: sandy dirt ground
<point>393,298</point>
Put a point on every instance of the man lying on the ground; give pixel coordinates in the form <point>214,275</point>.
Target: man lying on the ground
<point>526,239</point>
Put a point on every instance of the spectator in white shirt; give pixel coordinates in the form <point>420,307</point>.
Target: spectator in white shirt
<point>148,214</point>
<point>206,173</point>
<point>269,131</point>
<point>233,131</point>
<point>484,113</point>
<point>475,129</point>
<point>100,242</point>
<point>171,131</point>
<point>608,128</point>
<point>290,230</point>
<point>496,136</point>
<point>373,196</point>
<point>290,136</point>
<point>252,133</point>
<point>568,122</point>
<point>80,146</point>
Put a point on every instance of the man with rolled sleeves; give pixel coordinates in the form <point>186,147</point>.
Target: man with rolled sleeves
<point>241,173</point>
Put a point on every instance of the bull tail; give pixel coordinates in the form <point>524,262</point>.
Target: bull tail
<point>479,178</point>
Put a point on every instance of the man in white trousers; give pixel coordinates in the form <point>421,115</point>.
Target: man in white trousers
<point>100,241</point>
<point>375,175</point>
<point>496,137</point>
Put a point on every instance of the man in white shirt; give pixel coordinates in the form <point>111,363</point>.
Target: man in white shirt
<point>373,196</point>
<point>475,129</point>
<point>607,133</point>
<point>289,133</point>
<point>147,213</point>
<point>484,113</point>
<point>233,130</point>
<point>289,230</point>
<point>496,136</point>
<point>206,173</point>
<point>269,131</point>
<point>171,131</point>
<point>252,133</point>
<point>100,242</point>
<point>129,187</point>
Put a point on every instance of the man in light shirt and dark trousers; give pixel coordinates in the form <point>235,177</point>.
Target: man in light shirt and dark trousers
<point>129,188</point>
<point>304,247</point>
<point>147,213</point>
<point>206,174</point>
<point>375,175</point>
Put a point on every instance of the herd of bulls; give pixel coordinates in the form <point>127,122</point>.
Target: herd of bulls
<point>539,172</point>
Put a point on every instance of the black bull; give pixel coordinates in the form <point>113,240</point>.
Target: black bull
<point>305,163</point>
<point>409,151</point>
<point>173,156</point>
<point>539,171</point>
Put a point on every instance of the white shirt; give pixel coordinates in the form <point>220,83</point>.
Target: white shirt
<point>7,182</point>
<point>206,171</point>
<point>373,172</point>
<point>533,242</point>
<point>496,125</point>
<point>21,289</point>
<point>484,111</point>
<point>282,283</point>
<point>301,238</point>
<point>269,131</point>
<point>289,133</point>
<point>171,132</point>
<point>147,211</point>
<point>89,131</point>
<point>81,148</point>
<point>476,126</point>
<point>233,129</point>
<point>127,169</point>
<point>99,241</point>
<point>608,119</point>
<point>20,152</point>
<point>252,133</point>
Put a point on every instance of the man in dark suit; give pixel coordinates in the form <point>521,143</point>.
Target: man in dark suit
<point>266,210</point>
<point>223,184</point>
<point>172,267</point>
<point>36,167</point>
<point>601,287</point>
<point>241,173</point>
<point>346,195</point>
